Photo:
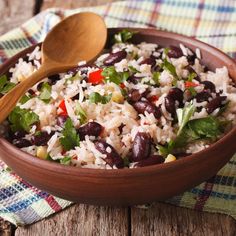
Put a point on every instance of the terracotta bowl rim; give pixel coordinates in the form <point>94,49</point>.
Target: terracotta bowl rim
<point>119,173</point>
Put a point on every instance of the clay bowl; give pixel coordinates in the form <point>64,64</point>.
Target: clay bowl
<point>128,186</point>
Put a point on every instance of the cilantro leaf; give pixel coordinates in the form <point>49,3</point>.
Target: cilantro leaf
<point>184,115</point>
<point>123,36</point>
<point>45,94</point>
<point>98,98</point>
<point>133,70</point>
<point>25,99</point>
<point>156,77</point>
<point>191,76</point>
<point>66,160</point>
<point>166,65</point>
<point>192,91</point>
<point>79,111</point>
<point>70,137</point>
<point>5,85</point>
<point>22,119</point>
<point>111,75</point>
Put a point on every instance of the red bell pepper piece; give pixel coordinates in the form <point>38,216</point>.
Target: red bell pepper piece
<point>95,77</point>
<point>189,84</point>
<point>62,106</point>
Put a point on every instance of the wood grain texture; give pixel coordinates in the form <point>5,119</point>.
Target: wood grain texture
<point>163,219</point>
<point>69,4</point>
<point>13,13</point>
<point>81,220</point>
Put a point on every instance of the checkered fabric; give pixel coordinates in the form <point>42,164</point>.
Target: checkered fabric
<point>213,22</point>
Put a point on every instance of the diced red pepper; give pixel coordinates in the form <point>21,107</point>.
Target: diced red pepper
<point>62,106</point>
<point>153,98</point>
<point>122,85</point>
<point>189,84</point>
<point>95,77</point>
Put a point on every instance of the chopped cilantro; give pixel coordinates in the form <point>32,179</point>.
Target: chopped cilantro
<point>126,162</point>
<point>156,77</point>
<point>5,85</point>
<point>70,137</point>
<point>45,94</point>
<point>25,99</point>
<point>133,70</point>
<point>79,111</point>
<point>111,75</point>
<point>192,91</point>
<point>66,160</point>
<point>123,36</point>
<point>166,65</point>
<point>98,98</point>
<point>22,119</point>
<point>191,76</point>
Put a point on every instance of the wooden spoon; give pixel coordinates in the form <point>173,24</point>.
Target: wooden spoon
<point>79,37</point>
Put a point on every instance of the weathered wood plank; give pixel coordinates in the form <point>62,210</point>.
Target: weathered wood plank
<point>73,3</point>
<point>81,220</point>
<point>163,219</point>
<point>13,13</point>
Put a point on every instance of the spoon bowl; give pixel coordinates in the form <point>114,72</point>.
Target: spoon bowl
<point>72,40</point>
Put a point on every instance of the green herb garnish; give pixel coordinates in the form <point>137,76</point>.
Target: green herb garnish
<point>98,98</point>
<point>5,85</point>
<point>166,65</point>
<point>25,99</point>
<point>111,75</point>
<point>156,77</point>
<point>22,119</point>
<point>70,137</point>
<point>66,160</point>
<point>45,94</point>
<point>123,36</point>
<point>133,70</point>
<point>191,76</point>
<point>79,111</point>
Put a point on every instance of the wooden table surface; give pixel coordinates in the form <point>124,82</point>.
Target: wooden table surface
<point>79,219</point>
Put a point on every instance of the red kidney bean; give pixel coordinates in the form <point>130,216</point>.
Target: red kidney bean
<point>151,160</point>
<point>39,86</point>
<point>53,79</point>
<point>176,94</point>
<point>134,79</point>
<point>61,119</point>
<point>150,61</point>
<point>141,147</point>
<point>208,85</point>
<point>142,106</point>
<point>42,138</point>
<point>112,157</point>
<point>203,96</point>
<point>215,103</point>
<point>91,129</point>
<point>21,143</point>
<point>170,105</point>
<point>174,52</point>
<point>114,58</point>
<point>134,95</point>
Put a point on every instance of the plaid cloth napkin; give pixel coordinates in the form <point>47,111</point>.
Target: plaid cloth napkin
<point>213,22</point>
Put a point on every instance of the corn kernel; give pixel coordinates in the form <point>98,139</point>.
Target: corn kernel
<point>117,97</point>
<point>41,152</point>
<point>170,158</point>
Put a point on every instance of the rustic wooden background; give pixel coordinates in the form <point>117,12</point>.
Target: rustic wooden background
<point>160,219</point>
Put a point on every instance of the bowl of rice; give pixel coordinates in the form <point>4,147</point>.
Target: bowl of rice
<point>151,117</point>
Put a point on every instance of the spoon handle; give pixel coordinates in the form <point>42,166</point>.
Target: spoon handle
<point>9,100</point>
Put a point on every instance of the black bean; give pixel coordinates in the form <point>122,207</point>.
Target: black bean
<point>170,105</point>
<point>134,95</point>
<point>21,143</point>
<point>31,92</point>
<point>191,70</point>
<point>215,103</point>
<point>142,106</point>
<point>176,94</point>
<point>76,97</point>
<point>203,96</point>
<point>83,69</point>
<point>53,79</point>
<point>174,52</point>
<point>90,129</point>
<point>181,154</point>
<point>141,147</point>
<point>134,79</point>
<point>150,61</point>
<point>42,138</point>
<point>61,119</point>
<point>151,160</point>
<point>19,134</point>
<point>112,157</point>
<point>208,85</point>
<point>114,58</point>
<point>121,127</point>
